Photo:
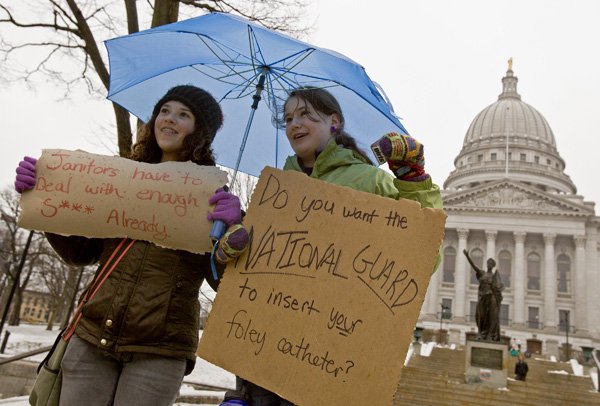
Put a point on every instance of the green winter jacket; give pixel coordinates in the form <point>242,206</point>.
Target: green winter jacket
<point>341,166</point>
<point>148,304</point>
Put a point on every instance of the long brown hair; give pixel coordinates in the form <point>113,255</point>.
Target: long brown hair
<point>197,146</point>
<point>325,103</point>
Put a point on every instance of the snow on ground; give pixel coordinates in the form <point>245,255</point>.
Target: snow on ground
<point>576,367</point>
<point>27,337</point>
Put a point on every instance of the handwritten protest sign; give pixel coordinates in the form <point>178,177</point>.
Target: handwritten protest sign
<point>78,193</point>
<point>322,306</point>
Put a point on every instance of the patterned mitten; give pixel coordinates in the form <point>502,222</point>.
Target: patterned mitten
<point>233,243</point>
<point>403,154</point>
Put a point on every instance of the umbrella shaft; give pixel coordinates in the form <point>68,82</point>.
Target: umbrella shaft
<point>243,145</point>
<point>259,88</point>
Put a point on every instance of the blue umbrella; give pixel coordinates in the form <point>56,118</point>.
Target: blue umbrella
<point>241,63</point>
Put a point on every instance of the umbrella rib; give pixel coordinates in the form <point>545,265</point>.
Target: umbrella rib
<point>282,72</point>
<point>303,54</point>
<point>245,84</point>
<point>252,44</point>
<point>226,62</point>
<point>272,103</point>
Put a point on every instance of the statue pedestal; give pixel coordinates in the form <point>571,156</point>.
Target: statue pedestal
<point>486,363</point>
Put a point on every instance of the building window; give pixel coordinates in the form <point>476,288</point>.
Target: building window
<point>533,318</point>
<point>480,158</point>
<point>493,156</point>
<point>563,270</point>
<point>504,320</point>
<point>536,159</point>
<point>533,271</point>
<point>548,162</point>
<point>449,264</point>
<point>504,267</point>
<point>523,157</point>
<point>446,309</point>
<point>477,257</point>
<point>472,311</point>
<point>510,156</point>
<point>564,320</point>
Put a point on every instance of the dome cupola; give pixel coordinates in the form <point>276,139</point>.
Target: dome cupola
<point>510,138</point>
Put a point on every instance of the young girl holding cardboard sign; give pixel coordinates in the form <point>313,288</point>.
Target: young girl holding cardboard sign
<point>137,337</point>
<point>314,126</point>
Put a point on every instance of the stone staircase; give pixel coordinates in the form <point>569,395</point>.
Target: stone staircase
<point>438,380</point>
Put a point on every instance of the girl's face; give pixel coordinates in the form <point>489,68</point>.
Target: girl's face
<point>307,130</point>
<point>173,123</point>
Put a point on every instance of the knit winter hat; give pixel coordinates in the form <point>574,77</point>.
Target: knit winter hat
<point>205,108</point>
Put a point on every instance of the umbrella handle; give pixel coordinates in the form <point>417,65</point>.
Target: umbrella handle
<point>218,227</point>
<point>217,230</point>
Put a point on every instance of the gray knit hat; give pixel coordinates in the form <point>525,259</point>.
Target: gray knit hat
<point>206,110</point>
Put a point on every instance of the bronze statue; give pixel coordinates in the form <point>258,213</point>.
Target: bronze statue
<point>489,296</point>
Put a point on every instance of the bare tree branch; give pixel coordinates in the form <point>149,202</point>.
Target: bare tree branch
<point>68,33</point>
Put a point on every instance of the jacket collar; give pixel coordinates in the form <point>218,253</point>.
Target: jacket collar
<point>332,157</point>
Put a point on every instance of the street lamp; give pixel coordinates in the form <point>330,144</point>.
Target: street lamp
<point>444,308</point>
<point>566,323</point>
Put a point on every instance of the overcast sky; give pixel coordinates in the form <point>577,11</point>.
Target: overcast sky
<point>440,62</point>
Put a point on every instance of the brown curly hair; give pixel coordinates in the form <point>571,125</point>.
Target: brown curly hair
<point>197,146</point>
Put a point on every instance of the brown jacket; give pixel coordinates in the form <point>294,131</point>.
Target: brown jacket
<point>148,304</point>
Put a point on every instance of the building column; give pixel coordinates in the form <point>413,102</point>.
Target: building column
<point>580,293</point>
<point>549,282</point>
<point>490,248</point>
<point>460,279</point>
<point>432,299</point>
<point>520,280</point>
<point>592,279</point>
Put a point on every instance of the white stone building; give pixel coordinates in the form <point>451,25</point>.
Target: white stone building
<point>509,198</point>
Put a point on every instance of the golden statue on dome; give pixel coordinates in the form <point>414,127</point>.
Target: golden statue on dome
<point>510,63</point>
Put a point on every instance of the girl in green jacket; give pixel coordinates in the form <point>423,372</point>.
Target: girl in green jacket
<point>314,125</point>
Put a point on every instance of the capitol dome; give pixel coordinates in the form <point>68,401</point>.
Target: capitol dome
<point>510,139</point>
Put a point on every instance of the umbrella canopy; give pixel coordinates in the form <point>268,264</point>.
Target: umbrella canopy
<point>227,56</point>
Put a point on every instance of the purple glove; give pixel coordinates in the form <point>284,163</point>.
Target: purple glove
<point>227,208</point>
<point>25,179</point>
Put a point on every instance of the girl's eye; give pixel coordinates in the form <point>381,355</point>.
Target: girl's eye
<point>164,110</point>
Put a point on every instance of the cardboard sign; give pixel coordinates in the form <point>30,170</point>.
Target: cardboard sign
<point>322,307</point>
<point>78,193</point>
